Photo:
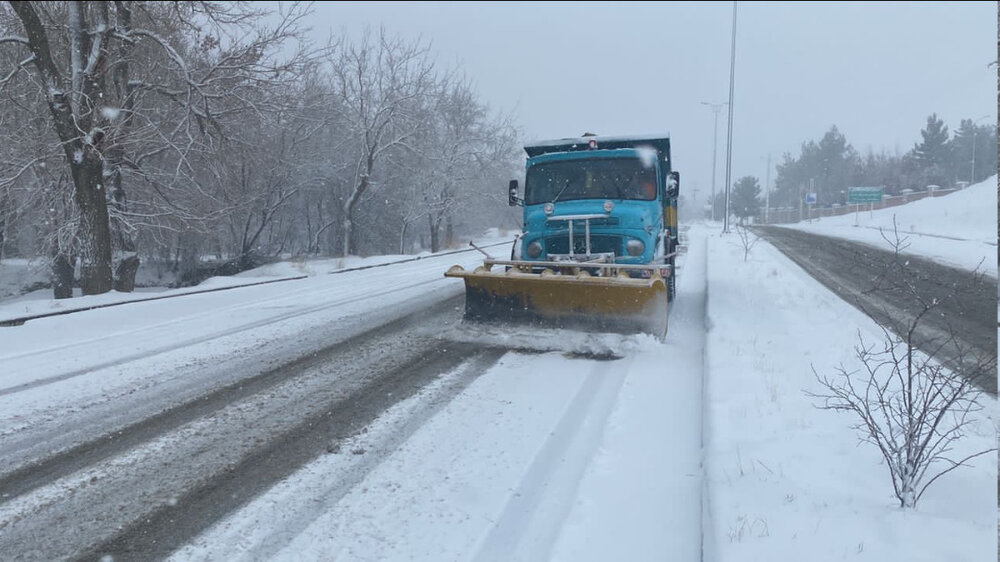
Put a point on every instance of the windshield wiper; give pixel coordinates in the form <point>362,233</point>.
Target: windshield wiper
<point>556,198</point>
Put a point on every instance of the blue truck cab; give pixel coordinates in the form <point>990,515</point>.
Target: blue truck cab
<point>600,199</point>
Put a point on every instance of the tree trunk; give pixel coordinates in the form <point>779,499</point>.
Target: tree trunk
<point>95,231</point>
<point>348,227</point>
<point>85,161</point>
<point>127,264</point>
<point>125,274</point>
<point>434,232</point>
<point>62,276</point>
<point>350,246</point>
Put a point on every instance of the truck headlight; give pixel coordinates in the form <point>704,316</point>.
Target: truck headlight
<point>635,247</point>
<point>534,249</point>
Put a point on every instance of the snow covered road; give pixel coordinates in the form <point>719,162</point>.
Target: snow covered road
<point>544,457</point>
<point>362,423</point>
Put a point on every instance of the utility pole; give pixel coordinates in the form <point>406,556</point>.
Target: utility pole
<point>767,188</point>
<point>715,145</point>
<point>729,143</point>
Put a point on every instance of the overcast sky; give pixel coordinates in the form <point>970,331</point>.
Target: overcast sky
<point>875,70</point>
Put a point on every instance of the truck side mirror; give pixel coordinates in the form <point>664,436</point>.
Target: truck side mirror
<point>512,199</point>
<point>673,184</point>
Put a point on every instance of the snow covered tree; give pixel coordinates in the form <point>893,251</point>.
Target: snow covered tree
<point>151,63</point>
<point>381,82</point>
<point>453,154</point>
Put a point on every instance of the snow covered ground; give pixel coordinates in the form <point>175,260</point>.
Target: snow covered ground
<point>958,229</point>
<point>705,445</point>
<point>789,482</point>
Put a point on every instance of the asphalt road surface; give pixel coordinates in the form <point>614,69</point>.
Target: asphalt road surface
<point>891,289</point>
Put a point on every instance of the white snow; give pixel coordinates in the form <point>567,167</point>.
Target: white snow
<point>647,155</point>
<point>705,444</point>
<point>110,113</point>
<point>958,229</point>
<point>788,482</point>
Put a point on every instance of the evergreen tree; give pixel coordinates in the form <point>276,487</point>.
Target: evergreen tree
<point>836,160</point>
<point>963,150</point>
<point>744,201</point>
<point>933,154</point>
<point>825,167</point>
<point>719,205</point>
<point>974,152</point>
<point>986,152</point>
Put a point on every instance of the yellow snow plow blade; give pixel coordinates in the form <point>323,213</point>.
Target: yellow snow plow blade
<point>573,300</point>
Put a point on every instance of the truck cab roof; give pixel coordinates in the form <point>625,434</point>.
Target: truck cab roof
<point>659,142</point>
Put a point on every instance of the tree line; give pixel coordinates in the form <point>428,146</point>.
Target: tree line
<point>830,166</point>
<point>170,131</point>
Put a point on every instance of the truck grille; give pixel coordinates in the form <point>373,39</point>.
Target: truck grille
<point>579,225</point>
<point>598,244</point>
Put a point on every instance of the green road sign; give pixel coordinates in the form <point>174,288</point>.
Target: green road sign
<point>864,194</point>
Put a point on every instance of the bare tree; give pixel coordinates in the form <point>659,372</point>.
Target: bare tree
<point>459,158</point>
<point>912,405</point>
<point>748,239</point>
<point>206,137</point>
<point>382,81</point>
<point>94,95</point>
<point>912,408</point>
<point>260,173</point>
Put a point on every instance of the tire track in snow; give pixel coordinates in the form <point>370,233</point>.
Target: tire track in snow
<point>532,518</point>
<point>144,502</point>
<point>159,534</point>
<point>303,507</point>
<point>49,469</point>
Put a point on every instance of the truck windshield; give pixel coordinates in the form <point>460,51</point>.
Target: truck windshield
<point>605,178</point>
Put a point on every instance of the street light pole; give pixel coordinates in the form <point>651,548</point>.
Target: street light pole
<point>972,177</point>
<point>729,142</point>
<point>715,145</point>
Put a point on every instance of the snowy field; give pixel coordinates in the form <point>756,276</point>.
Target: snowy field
<point>958,229</point>
<point>705,444</point>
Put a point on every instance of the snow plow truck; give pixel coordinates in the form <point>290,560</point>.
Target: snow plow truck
<point>598,243</point>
